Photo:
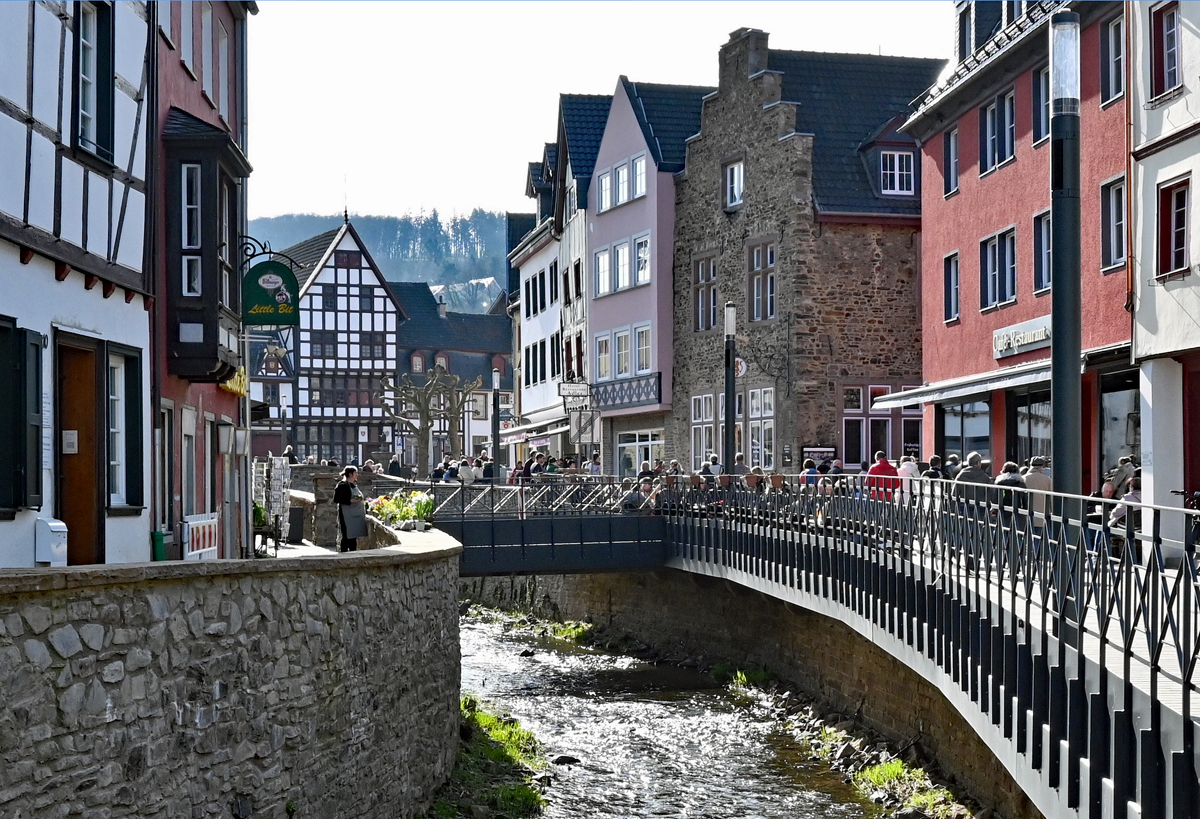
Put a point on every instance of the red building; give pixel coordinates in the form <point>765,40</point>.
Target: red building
<point>985,249</point>
<point>197,202</point>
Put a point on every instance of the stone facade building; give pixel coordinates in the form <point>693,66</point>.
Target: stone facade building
<point>799,203</point>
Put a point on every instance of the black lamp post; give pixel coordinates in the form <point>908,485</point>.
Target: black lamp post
<point>1066,387</point>
<point>730,361</point>
<point>495,424</point>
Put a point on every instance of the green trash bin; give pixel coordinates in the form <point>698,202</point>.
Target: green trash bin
<point>159,546</point>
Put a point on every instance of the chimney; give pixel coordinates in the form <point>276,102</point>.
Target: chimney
<point>743,55</point>
<point>442,306</point>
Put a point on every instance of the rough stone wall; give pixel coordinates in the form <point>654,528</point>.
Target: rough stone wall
<point>323,526</point>
<point>230,688</point>
<point>688,615</point>
<point>847,303</point>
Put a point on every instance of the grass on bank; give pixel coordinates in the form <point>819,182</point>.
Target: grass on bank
<point>496,760</point>
<point>910,785</point>
<point>728,674</point>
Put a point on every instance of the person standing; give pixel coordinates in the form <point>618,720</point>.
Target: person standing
<point>394,468</point>
<point>934,471</point>
<point>352,511</point>
<point>882,477</point>
<point>290,454</point>
<point>594,468</point>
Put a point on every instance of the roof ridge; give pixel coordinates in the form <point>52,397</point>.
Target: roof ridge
<point>800,53</point>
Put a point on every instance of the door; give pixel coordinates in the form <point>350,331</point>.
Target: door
<point>81,476</point>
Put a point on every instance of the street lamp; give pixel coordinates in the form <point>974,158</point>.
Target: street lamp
<point>730,360</point>
<point>1066,388</point>
<point>495,424</point>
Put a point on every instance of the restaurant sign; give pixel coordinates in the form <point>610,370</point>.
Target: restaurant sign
<point>1021,338</point>
<point>270,295</point>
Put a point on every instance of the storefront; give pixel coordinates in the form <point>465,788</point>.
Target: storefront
<point>632,448</point>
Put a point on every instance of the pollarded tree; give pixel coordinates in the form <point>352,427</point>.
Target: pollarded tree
<point>440,396</point>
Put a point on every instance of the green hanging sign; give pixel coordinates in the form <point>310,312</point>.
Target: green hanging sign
<point>270,295</point>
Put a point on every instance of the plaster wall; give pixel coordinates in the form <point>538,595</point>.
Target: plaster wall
<point>539,401</point>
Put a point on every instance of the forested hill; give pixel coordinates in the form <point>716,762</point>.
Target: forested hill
<point>422,247</point>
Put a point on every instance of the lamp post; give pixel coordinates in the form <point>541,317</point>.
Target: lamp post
<point>495,423</point>
<point>730,360</point>
<point>1066,389</point>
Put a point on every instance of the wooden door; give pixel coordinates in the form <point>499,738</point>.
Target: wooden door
<point>81,479</point>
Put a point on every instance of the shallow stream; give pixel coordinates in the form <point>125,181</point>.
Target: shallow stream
<point>651,740</point>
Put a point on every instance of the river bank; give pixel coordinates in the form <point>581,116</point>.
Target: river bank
<point>646,719</point>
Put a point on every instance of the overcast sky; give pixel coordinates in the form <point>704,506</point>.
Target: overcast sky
<point>398,107</point>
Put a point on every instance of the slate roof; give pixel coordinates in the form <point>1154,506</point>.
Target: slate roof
<point>517,227</point>
<point>537,180</point>
<point>308,254</point>
<point>842,99</point>
<point>668,115</point>
<point>550,158</point>
<point>182,127</point>
<point>583,119</point>
<point>424,329</point>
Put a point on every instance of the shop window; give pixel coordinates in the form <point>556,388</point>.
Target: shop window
<point>1120,418</point>
<point>703,440</point>
<point>1030,425</point>
<point>965,428</point>
<point>634,448</point>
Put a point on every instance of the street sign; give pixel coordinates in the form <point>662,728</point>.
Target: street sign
<point>574,389</point>
<point>585,426</point>
<point>270,295</point>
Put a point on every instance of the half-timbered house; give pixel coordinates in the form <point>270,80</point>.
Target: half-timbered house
<point>74,286</point>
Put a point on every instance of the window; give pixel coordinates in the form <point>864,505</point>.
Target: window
<point>225,246</point>
<point>324,344</point>
<point>188,470</point>
<point>553,282</point>
<point>761,286</point>
<point>94,79</point>
<point>621,260</point>
<point>605,193</point>
<point>578,290</point>
<point>526,299</point>
<point>1112,219</point>
<point>1041,104</point>
<point>20,416</point>
<point>124,424</point>
<point>1012,11</point>
<point>371,345</point>
<point>541,360</point>
<point>191,230</point>
<point>441,361</point>
<point>964,35</point>
<point>165,444</point>
<point>950,161</point>
<point>997,269</point>
<point>896,172</point>
<point>621,178</point>
<point>528,366</point>
<point>734,183</point>
<point>418,363</point>
<point>641,252</point>
<point>566,286</point>
<point>1173,228</point>
<point>761,427</point>
<point>1112,60</point>
<point>997,132</point>
<point>603,273</point>
<point>642,345</point>
<point>541,287</point>
<point>223,91</point>
<point>185,33</point>
<point>206,50</point>
<point>1164,49</point>
<point>704,294</point>
<point>556,355</point>
<point>966,428</point>
<point>703,440</point>
<point>603,373</point>
<point>621,343</point>
<point>347,259</point>
<point>1041,252</point>
<point>329,300</point>
<point>366,299</point>
<point>639,176</point>
<point>950,287</point>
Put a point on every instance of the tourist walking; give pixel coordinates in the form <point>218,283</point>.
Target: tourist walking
<point>352,510</point>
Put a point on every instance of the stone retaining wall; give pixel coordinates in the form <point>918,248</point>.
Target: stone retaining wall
<point>323,527</point>
<point>688,615</point>
<point>230,688</point>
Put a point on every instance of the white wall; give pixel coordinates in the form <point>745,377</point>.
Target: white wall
<point>539,399</point>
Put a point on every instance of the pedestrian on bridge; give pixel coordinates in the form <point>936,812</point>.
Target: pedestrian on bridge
<point>352,511</point>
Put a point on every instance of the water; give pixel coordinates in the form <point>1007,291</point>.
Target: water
<point>653,740</point>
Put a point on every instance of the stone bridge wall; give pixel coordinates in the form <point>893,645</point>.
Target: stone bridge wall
<point>689,615</point>
<point>230,688</point>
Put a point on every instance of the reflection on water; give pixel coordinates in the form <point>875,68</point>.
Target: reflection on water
<point>652,740</point>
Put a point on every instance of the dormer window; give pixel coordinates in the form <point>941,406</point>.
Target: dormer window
<point>418,363</point>
<point>896,173</point>
<point>441,361</point>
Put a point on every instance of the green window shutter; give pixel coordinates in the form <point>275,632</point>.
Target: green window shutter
<point>134,494</point>
<point>10,375</point>
<point>29,421</point>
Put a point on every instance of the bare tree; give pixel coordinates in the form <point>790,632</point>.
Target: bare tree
<point>440,396</point>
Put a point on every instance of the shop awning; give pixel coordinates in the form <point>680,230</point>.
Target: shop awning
<point>1007,378</point>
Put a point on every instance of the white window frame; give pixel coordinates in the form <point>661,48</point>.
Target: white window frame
<point>604,193</point>
<point>89,58</point>
<point>735,183</point>
<point>1112,213</point>
<point>1171,74</point>
<point>116,430</point>
<point>191,268</point>
<point>223,86</point>
<point>602,273</point>
<point>1041,112</point>
<point>622,361</point>
<point>417,364</point>
<point>621,183</point>
<point>206,45</point>
<point>187,21</point>
<point>603,348</point>
<point>897,175</point>
<point>1114,67</point>
<point>951,288</point>
<point>639,176</point>
<point>1042,248</point>
<point>641,260</point>
<point>641,333</point>
<point>621,271</point>
<point>951,170</point>
<point>769,294</point>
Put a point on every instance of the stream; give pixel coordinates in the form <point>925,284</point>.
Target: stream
<point>652,740</point>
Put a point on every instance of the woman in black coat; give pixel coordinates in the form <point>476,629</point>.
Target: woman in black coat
<point>352,518</point>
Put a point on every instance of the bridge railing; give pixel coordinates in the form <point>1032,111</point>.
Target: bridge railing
<point>545,494</point>
<point>1084,612</point>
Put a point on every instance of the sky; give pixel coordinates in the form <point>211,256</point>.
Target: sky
<point>390,108</point>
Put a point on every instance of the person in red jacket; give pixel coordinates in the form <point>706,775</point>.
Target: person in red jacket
<point>882,477</point>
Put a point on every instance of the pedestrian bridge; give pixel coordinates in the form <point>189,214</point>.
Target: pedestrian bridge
<point>1068,642</point>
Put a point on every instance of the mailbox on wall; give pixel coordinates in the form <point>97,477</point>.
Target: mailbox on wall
<point>50,542</point>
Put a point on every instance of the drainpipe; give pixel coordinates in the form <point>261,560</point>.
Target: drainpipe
<point>1131,212</point>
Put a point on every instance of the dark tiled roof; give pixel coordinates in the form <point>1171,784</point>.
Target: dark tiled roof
<point>668,115</point>
<point>308,254</point>
<point>424,329</point>
<point>182,127</point>
<point>517,227</point>
<point>583,119</point>
<point>842,100</point>
<point>537,179</point>
<point>550,158</point>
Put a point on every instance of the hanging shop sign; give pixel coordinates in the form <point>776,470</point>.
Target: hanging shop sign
<point>270,295</point>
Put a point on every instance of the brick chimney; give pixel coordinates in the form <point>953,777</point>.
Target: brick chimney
<point>743,55</point>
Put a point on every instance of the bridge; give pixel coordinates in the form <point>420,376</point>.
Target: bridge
<point>1067,641</point>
